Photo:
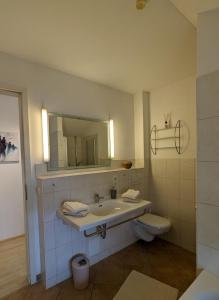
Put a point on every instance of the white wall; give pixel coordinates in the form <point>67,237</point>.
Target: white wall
<point>208,145</point>
<point>208,43</point>
<point>172,181</point>
<point>179,100</point>
<point>139,131</point>
<point>11,186</point>
<point>141,127</point>
<point>60,92</point>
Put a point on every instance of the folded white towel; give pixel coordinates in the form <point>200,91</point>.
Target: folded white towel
<point>131,194</point>
<point>131,200</point>
<point>70,213</point>
<point>75,207</point>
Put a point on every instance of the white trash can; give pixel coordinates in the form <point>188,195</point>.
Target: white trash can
<point>80,271</point>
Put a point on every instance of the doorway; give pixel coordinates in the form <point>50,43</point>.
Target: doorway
<point>13,254</point>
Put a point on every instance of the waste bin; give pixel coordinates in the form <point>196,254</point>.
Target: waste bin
<point>80,271</point>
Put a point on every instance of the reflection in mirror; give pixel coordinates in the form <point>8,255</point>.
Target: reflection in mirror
<point>77,143</point>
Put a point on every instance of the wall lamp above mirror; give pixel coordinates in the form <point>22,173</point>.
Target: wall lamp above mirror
<point>71,142</point>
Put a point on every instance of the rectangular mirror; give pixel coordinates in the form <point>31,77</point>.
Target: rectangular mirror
<point>77,143</point>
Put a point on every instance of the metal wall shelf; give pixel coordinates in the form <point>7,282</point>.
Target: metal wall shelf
<point>176,137</point>
<point>165,138</point>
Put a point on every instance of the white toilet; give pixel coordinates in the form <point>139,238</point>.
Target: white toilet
<point>149,225</point>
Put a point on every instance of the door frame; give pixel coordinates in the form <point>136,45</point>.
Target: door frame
<point>21,93</point>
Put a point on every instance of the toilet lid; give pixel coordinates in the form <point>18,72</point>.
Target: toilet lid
<point>154,221</point>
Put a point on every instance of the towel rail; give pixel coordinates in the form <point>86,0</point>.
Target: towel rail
<point>102,229</point>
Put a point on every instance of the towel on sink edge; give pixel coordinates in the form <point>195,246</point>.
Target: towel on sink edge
<point>75,207</point>
<point>131,194</point>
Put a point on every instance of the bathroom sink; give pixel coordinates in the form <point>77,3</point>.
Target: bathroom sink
<point>107,208</point>
<point>104,212</point>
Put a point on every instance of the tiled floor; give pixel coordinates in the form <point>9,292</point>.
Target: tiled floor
<point>13,267</point>
<point>159,259</point>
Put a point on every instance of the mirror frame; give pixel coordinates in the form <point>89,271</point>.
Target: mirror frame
<point>109,136</point>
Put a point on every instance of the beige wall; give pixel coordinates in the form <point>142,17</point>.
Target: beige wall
<point>178,99</point>
<point>208,145</point>
<point>172,180</point>
<point>172,192</point>
<point>63,93</point>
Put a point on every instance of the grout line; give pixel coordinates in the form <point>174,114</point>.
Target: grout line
<point>203,244</point>
<point>208,161</point>
<point>209,117</point>
<point>208,204</point>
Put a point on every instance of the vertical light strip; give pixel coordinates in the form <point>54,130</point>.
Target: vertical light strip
<point>111,132</point>
<point>45,130</point>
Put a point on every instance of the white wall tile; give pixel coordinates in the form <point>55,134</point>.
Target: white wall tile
<point>98,257</point>
<point>62,184</point>
<point>94,245</point>
<point>49,205</point>
<point>123,182</point>
<point>174,235</point>
<point>136,177</point>
<point>207,95</point>
<point>187,168</point>
<point>49,282</point>
<point>64,255</point>
<point>76,182</point>
<point>63,275</point>
<point>48,186</point>
<point>158,196</point>
<point>62,233</point>
<point>172,194</point>
<point>208,258</point>
<point>61,196</point>
<point>50,262</point>
<point>49,236</point>
<point>207,180</point>
<point>158,168</point>
<point>207,225</point>
<point>82,195</point>
<point>208,145</point>
<point>172,168</point>
<point>187,200</point>
<point>79,242</point>
<point>188,235</point>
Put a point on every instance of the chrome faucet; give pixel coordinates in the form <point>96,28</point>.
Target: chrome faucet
<point>97,198</point>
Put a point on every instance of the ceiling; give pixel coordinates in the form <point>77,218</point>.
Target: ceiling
<point>191,8</point>
<point>105,41</point>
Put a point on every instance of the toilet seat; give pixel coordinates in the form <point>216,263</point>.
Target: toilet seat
<point>148,226</point>
<point>154,221</point>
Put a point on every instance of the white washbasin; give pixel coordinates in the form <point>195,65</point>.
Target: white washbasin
<point>107,208</point>
<point>107,211</point>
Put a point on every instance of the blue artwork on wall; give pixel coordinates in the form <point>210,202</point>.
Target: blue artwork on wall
<point>9,150</point>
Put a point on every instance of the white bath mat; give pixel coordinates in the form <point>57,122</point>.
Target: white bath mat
<point>142,287</point>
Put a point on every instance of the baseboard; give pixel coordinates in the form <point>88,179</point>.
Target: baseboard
<point>12,238</point>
